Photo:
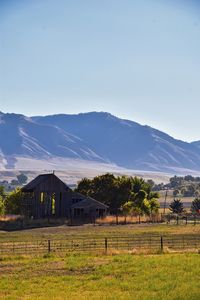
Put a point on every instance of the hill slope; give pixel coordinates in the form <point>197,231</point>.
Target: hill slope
<point>22,136</point>
<point>96,137</point>
<point>127,143</point>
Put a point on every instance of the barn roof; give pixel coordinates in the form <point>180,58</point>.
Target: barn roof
<point>43,178</point>
<point>88,202</point>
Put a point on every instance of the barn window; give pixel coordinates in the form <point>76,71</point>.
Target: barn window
<point>53,205</point>
<point>41,197</point>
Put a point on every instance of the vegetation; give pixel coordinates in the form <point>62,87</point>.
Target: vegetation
<point>13,202</point>
<point>195,208</point>
<point>86,276</point>
<point>127,194</point>
<point>176,206</point>
<point>2,200</point>
<point>187,186</point>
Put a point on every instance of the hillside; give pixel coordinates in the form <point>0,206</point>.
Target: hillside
<point>95,137</point>
<point>128,143</point>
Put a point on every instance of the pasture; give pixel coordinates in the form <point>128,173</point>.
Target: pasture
<point>97,275</point>
<point>85,276</point>
<point>63,231</point>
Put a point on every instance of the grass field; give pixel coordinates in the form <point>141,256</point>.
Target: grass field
<point>96,275</point>
<point>82,276</point>
<point>62,232</point>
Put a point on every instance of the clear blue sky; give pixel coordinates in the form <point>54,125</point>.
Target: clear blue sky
<point>136,59</point>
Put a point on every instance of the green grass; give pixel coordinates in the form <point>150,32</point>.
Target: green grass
<point>82,276</point>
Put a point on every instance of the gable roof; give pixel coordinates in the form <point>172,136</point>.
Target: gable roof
<point>88,202</point>
<point>44,179</point>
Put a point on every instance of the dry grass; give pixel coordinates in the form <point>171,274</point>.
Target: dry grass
<point>112,220</point>
<point>8,218</point>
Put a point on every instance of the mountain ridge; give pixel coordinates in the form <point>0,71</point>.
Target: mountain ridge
<point>94,136</point>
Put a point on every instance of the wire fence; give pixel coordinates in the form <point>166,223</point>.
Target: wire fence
<point>151,243</point>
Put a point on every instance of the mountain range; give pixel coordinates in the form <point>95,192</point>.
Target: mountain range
<point>93,137</point>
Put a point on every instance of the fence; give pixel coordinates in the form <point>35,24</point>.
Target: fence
<point>153,243</point>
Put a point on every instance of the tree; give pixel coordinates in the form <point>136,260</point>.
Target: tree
<point>85,187</point>
<point>2,192</point>
<point>22,178</point>
<point>154,205</point>
<point>127,208</point>
<point>13,202</point>
<point>175,192</point>
<point>2,206</point>
<point>195,207</point>
<point>176,206</point>
<point>14,182</point>
<point>2,200</point>
<point>116,192</point>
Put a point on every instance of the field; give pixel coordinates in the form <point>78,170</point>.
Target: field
<point>62,232</point>
<point>82,276</point>
<point>96,275</point>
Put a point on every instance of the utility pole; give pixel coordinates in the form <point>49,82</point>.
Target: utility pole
<point>166,194</point>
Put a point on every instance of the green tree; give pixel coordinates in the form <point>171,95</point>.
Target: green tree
<point>13,202</point>
<point>85,187</point>
<point>2,200</point>
<point>154,205</point>
<point>2,192</point>
<point>117,191</point>
<point>2,206</point>
<point>176,206</point>
<point>195,207</point>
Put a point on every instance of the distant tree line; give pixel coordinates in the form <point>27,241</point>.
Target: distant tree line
<point>20,180</point>
<point>185,186</point>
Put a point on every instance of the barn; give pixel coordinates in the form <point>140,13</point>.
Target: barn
<point>48,196</point>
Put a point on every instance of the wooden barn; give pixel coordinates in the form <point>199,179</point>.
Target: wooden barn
<point>48,196</point>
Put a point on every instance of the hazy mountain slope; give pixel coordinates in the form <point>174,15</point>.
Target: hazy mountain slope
<point>97,137</point>
<point>127,143</point>
<point>196,144</point>
<point>22,136</point>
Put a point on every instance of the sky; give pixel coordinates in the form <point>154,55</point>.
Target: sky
<point>138,60</point>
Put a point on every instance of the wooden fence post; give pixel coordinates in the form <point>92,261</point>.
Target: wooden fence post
<point>161,244</point>
<point>49,246</point>
<point>106,245</point>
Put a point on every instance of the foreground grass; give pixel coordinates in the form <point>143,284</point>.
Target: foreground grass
<point>82,276</point>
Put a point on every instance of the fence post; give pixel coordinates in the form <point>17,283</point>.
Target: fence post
<point>161,244</point>
<point>106,245</point>
<point>186,220</point>
<point>194,219</point>
<point>49,246</point>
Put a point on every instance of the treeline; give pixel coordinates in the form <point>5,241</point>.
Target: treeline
<point>20,180</point>
<point>182,186</point>
<point>130,195</point>
<point>187,186</point>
